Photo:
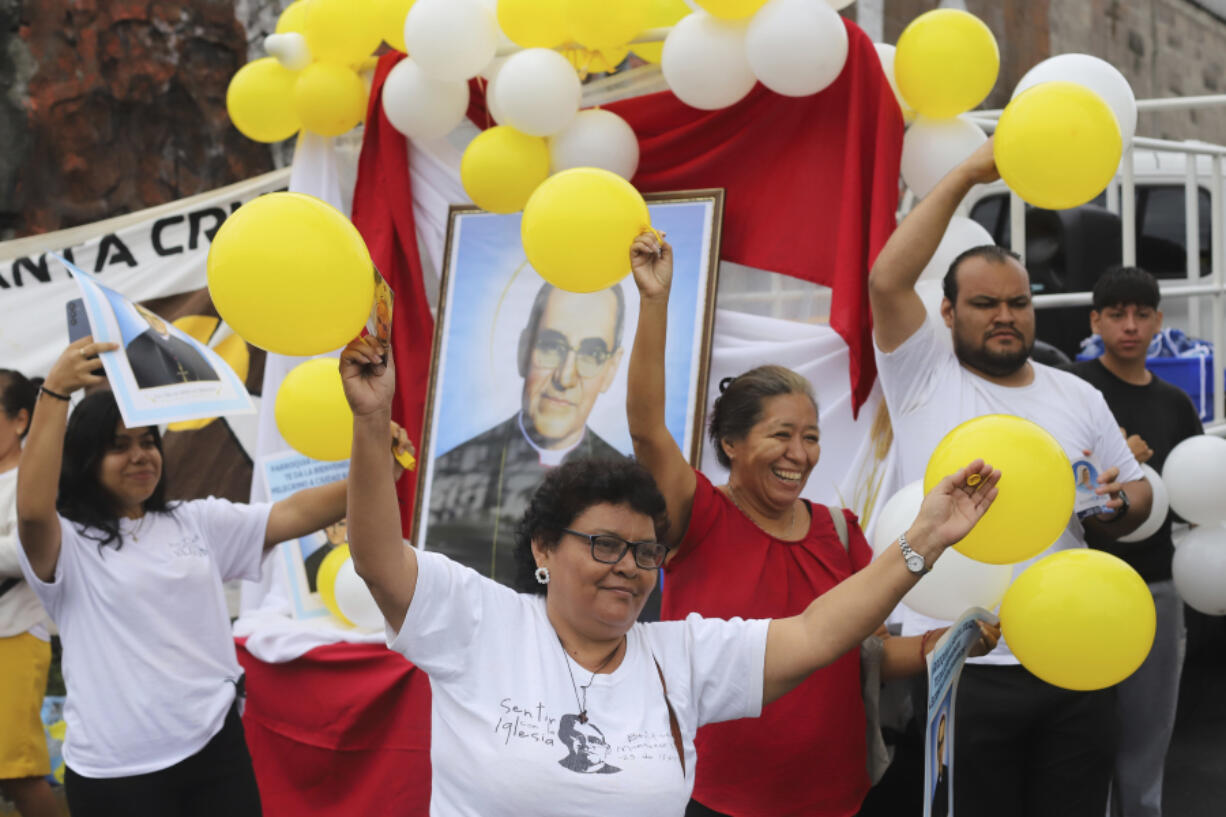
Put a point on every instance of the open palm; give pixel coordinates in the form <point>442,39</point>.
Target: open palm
<point>955,505</point>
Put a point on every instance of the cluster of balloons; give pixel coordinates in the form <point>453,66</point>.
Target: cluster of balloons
<point>1194,473</point>
<point>713,57</point>
<point>945,64</point>
<point>344,593</point>
<point>312,78</point>
<point>1079,619</point>
<point>1059,140</point>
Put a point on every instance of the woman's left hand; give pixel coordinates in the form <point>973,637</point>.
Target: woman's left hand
<point>989,634</point>
<point>952,508</point>
<point>368,376</point>
<point>401,445</point>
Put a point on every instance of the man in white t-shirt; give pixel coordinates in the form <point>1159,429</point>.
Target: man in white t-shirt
<point>1023,748</point>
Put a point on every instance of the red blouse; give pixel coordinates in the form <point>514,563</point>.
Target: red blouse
<point>805,755</point>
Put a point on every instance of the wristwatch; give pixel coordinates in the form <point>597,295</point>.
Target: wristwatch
<point>915,562</point>
<point>1121,511</point>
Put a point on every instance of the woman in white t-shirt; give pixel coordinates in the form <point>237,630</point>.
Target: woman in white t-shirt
<point>135,585</point>
<point>555,701</point>
<point>25,648</point>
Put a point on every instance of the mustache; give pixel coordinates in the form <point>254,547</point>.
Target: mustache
<point>996,330</point>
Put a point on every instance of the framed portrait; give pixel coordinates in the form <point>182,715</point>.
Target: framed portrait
<point>525,376</point>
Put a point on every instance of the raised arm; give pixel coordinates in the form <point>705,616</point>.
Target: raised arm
<point>38,474</point>
<point>380,556</point>
<point>651,260</point>
<point>897,310</point>
<point>840,619</point>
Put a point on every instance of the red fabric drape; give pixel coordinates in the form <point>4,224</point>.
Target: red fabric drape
<point>345,729</point>
<point>383,214</point>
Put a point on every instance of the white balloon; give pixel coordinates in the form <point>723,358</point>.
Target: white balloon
<point>796,47</point>
<point>1199,569</point>
<point>1195,477</point>
<point>933,147</point>
<point>961,235</point>
<point>1158,510</point>
<point>420,106</point>
<point>704,62</point>
<point>885,53</point>
<point>1099,76</point>
<point>956,581</point>
<point>354,599</point>
<point>536,91</point>
<point>451,39</point>
<point>290,49</point>
<point>596,138</point>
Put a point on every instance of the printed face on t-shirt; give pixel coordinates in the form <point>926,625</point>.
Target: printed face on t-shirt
<point>993,321</point>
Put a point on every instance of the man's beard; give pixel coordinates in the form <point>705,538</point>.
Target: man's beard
<point>993,364</point>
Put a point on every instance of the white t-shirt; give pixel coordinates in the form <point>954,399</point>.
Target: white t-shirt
<point>20,611</point>
<point>504,740</point>
<point>149,660</point>
<point>928,393</point>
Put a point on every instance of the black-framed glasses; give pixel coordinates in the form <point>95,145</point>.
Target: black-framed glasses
<point>552,348</point>
<point>609,549</point>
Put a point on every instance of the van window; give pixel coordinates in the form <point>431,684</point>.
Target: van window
<point>1161,215</point>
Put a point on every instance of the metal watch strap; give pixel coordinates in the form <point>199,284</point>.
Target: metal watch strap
<point>908,552</point>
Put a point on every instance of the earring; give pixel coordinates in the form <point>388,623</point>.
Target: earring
<point>542,575</point>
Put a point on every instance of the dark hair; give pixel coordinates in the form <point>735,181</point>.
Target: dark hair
<point>18,392</point>
<point>82,499</point>
<point>739,405</point>
<point>569,490</point>
<point>1121,286</point>
<point>988,252</point>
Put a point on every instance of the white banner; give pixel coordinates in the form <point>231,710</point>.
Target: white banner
<point>148,254</point>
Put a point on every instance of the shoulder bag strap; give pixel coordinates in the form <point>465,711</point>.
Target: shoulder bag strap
<point>672,718</point>
<point>840,523</point>
<point>8,584</point>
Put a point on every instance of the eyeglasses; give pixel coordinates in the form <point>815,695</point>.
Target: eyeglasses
<point>552,349</point>
<point>609,549</point>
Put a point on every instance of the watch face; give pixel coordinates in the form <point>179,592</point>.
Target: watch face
<point>915,563</point>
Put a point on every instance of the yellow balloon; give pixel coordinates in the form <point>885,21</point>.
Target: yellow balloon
<point>578,227</point>
<point>602,61</point>
<point>1058,145</point>
<point>260,101</point>
<point>946,63</point>
<point>660,14</point>
<point>293,19</point>
<point>312,413</point>
<point>329,99</point>
<point>391,21</point>
<point>325,579</point>
<point>600,24</point>
<point>1079,619</point>
<point>501,168</point>
<point>1036,490</point>
<point>342,31</point>
<point>534,23</point>
<point>732,9</point>
<point>291,275</point>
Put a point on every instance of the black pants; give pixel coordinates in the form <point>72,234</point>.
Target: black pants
<point>217,780</point>
<point>1024,748</point>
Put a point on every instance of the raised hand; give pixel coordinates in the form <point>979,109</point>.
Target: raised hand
<point>980,166</point>
<point>368,375</point>
<point>75,367</point>
<point>402,451</point>
<point>651,261</point>
<point>952,508</point>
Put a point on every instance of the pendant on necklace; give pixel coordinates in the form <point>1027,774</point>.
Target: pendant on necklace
<point>583,716</point>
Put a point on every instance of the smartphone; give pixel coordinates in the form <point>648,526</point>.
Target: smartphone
<point>78,324</point>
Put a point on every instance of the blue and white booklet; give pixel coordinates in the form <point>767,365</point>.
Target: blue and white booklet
<point>944,668</point>
<point>159,374</point>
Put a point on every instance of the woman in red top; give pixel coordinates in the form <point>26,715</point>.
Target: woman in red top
<point>753,548</point>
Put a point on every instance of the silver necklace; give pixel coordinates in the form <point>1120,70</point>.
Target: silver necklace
<point>791,518</point>
<point>576,688</point>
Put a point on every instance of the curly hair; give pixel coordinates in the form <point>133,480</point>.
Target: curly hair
<point>739,405</point>
<point>569,490</point>
<point>82,499</point>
